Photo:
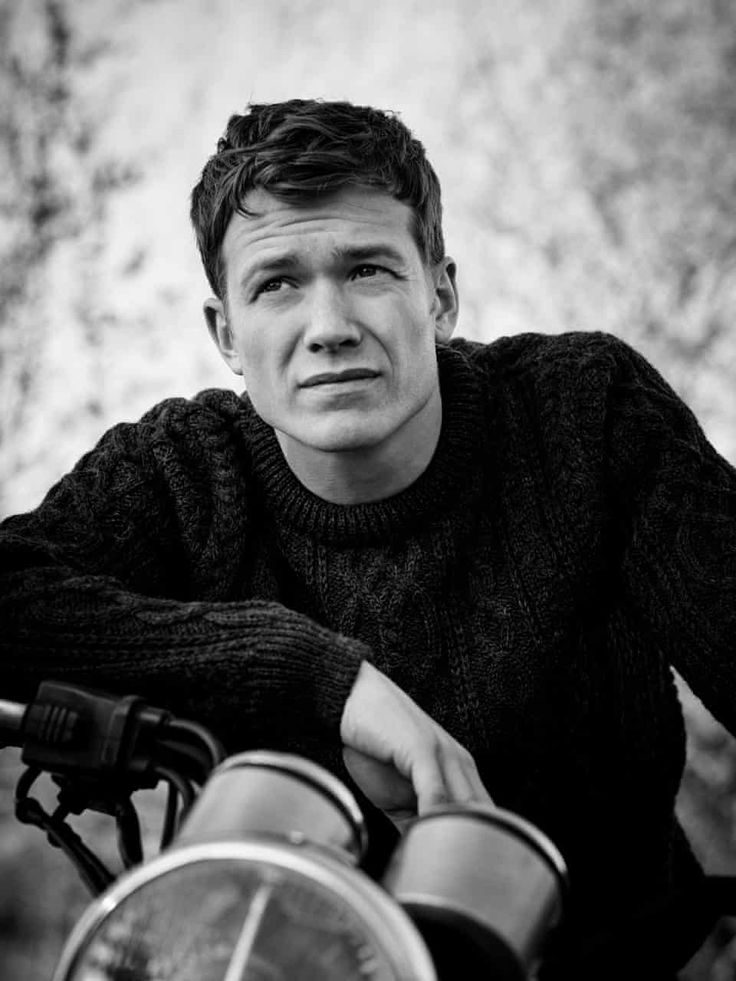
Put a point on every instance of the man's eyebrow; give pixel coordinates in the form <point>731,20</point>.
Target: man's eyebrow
<point>281,263</point>
<point>365,253</point>
<point>275,263</point>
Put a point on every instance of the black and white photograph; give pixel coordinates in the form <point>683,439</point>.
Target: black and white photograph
<point>367,490</point>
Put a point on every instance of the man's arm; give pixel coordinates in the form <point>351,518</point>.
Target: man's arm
<point>93,588</point>
<point>97,586</point>
<point>677,504</point>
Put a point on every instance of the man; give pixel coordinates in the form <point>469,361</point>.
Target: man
<point>465,568</point>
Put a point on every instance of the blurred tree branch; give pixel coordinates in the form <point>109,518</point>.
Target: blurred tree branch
<point>54,189</point>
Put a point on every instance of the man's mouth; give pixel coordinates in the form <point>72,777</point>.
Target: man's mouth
<point>336,377</point>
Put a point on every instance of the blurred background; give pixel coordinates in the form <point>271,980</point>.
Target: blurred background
<point>587,151</point>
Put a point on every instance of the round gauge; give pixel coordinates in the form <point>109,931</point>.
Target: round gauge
<point>257,910</point>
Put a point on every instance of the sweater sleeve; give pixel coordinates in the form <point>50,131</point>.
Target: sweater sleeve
<point>676,500</point>
<point>95,589</point>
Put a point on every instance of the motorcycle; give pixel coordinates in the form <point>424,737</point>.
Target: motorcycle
<point>261,871</point>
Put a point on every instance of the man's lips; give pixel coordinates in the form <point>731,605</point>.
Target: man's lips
<point>335,377</point>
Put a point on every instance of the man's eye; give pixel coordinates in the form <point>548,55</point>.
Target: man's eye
<point>270,286</point>
<point>366,271</point>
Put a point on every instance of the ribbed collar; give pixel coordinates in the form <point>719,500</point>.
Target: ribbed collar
<point>445,484</point>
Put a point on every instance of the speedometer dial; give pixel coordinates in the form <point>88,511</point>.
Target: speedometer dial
<point>246,911</point>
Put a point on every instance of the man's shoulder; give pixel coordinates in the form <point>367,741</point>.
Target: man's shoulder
<point>537,354</point>
<point>568,376</point>
<point>208,411</point>
<point>178,426</point>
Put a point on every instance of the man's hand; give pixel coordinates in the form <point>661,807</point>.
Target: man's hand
<point>401,759</point>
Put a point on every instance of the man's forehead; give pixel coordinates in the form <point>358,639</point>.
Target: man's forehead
<point>357,217</point>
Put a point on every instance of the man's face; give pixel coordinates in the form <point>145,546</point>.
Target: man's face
<point>331,316</point>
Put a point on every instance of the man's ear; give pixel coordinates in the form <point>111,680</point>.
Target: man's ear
<point>446,302</point>
<point>221,333</point>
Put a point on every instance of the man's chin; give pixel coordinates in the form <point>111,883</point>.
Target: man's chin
<point>341,436</point>
<point>342,442</point>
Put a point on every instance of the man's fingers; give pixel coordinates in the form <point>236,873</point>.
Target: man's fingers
<point>384,786</point>
<point>381,782</point>
<point>429,782</point>
<point>447,776</point>
<point>463,779</point>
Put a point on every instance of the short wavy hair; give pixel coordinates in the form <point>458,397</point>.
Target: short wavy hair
<point>300,149</point>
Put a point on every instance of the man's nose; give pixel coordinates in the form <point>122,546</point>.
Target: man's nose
<point>331,321</point>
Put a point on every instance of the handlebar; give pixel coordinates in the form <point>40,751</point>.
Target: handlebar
<point>11,721</point>
<point>68,729</point>
<point>99,749</point>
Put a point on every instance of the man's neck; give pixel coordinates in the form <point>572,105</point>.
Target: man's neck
<point>370,473</point>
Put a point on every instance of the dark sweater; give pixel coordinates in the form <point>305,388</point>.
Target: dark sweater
<point>573,535</point>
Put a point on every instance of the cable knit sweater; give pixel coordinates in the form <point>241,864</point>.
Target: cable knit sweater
<point>573,535</point>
